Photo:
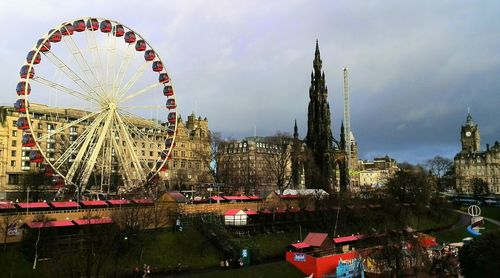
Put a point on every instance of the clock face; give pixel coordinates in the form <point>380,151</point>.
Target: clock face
<point>468,134</point>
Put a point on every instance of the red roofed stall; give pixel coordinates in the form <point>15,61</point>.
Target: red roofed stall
<point>116,203</point>
<point>144,202</point>
<point>7,207</point>
<point>237,198</point>
<point>218,199</point>
<point>93,221</point>
<point>49,224</point>
<point>33,205</point>
<point>94,204</point>
<point>64,205</point>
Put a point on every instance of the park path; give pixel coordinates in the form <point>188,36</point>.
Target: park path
<point>491,220</point>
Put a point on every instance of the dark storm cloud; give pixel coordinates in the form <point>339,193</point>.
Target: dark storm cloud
<point>415,66</point>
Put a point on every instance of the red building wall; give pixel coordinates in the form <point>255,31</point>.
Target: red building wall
<point>321,265</point>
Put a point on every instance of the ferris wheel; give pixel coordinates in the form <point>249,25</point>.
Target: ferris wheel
<point>90,104</point>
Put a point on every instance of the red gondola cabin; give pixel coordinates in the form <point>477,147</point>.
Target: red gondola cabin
<point>25,71</point>
<point>21,88</point>
<point>58,181</point>
<point>163,167</point>
<point>157,66</point>
<point>22,123</point>
<point>172,117</point>
<point>171,131</point>
<point>169,142</point>
<point>47,170</point>
<point>67,30</point>
<point>118,30</point>
<point>163,78</point>
<point>149,55</point>
<point>20,105</point>
<point>130,37</point>
<point>79,25</point>
<point>171,104</point>
<point>92,24</point>
<point>140,45</point>
<point>56,36</point>
<point>168,91</point>
<point>28,140</point>
<point>45,47</point>
<point>36,156</point>
<point>105,26</point>
<point>32,58</point>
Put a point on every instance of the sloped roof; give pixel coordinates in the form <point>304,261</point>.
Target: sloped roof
<point>50,224</point>
<point>233,212</point>
<point>33,205</point>
<point>343,239</point>
<point>301,245</point>
<point>94,203</point>
<point>316,239</point>
<point>64,204</point>
<point>93,221</point>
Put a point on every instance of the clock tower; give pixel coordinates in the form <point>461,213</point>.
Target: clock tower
<point>469,136</point>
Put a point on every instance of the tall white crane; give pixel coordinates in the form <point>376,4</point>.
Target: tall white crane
<point>347,116</point>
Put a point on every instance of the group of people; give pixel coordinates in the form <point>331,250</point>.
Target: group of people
<point>227,264</point>
<point>144,273</point>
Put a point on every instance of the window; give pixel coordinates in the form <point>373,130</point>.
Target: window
<point>14,179</point>
<point>26,164</point>
<point>13,153</point>
<point>151,153</point>
<point>40,126</point>
<point>14,123</point>
<point>12,164</point>
<point>183,153</point>
<point>14,133</point>
<point>183,164</point>
<point>14,143</point>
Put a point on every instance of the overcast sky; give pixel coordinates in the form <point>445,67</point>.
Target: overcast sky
<point>415,66</point>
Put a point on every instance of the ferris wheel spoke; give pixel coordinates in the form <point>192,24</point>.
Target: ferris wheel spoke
<point>83,64</point>
<point>159,128</point>
<point>118,79</point>
<point>123,163</point>
<point>61,66</point>
<point>140,92</point>
<point>68,125</point>
<point>143,106</point>
<point>64,89</point>
<point>93,48</point>
<point>70,150</point>
<point>89,166</point>
<point>93,129</point>
<point>137,75</point>
<point>130,146</point>
<point>110,63</point>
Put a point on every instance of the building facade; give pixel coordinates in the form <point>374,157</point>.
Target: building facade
<point>255,165</point>
<point>16,163</point>
<point>377,172</point>
<point>472,163</point>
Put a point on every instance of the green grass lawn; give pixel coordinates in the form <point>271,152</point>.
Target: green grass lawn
<point>264,246</point>
<point>457,234</point>
<point>275,270</point>
<point>14,264</point>
<point>164,250</point>
<point>491,212</point>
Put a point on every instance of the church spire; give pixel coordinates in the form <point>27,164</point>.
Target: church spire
<point>319,139</point>
<point>295,131</point>
<point>469,122</point>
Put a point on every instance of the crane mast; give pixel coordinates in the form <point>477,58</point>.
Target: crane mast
<point>347,120</point>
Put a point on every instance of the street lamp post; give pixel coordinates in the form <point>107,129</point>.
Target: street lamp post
<point>27,199</point>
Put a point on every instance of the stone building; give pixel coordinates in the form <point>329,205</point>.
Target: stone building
<point>255,165</point>
<point>15,161</point>
<point>473,163</point>
<point>188,167</point>
<point>376,172</point>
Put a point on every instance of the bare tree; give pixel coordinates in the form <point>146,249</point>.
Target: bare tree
<point>441,168</point>
<point>278,160</point>
<point>8,223</point>
<point>210,156</point>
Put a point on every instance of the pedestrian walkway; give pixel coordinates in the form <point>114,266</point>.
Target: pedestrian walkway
<point>496,222</point>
